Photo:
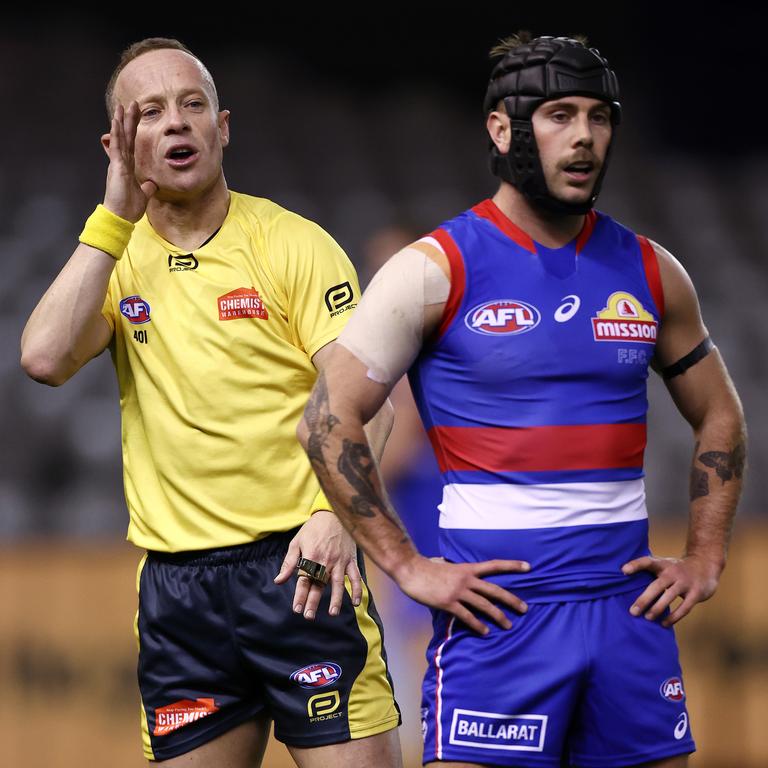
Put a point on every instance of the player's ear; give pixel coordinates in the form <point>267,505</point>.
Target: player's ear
<point>224,127</point>
<point>105,143</point>
<point>500,130</point>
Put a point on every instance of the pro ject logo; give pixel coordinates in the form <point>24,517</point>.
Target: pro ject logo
<point>182,262</point>
<point>324,706</point>
<point>338,298</point>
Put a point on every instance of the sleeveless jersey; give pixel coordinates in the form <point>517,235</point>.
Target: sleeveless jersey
<point>534,399</point>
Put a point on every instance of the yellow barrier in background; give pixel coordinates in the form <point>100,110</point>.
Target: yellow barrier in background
<point>68,695</point>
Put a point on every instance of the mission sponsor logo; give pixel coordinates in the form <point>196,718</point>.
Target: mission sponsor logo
<point>324,706</point>
<point>317,675</point>
<point>624,319</point>
<point>672,689</point>
<point>491,730</point>
<point>338,299</point>
<point>174,716</point>
<point>502,316</point>
<point>135,309</point>
<point>182,262</point>
<point>242,303</point>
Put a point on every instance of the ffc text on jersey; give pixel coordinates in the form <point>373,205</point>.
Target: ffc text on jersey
<point>240,303</point>
<point>502,316</point>
<point>317,675</point>
<point>135,309</point>
<point>624,319</point>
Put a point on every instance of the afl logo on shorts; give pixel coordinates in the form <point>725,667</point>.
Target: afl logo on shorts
<point>135,309</point>
<point>502,316</point>
<point>317,675</point>
<point>672,689</point>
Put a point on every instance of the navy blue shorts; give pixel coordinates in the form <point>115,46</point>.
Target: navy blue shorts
<point>582,681</point>
<point>219,644</point>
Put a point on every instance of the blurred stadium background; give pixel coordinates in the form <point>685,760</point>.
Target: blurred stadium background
<point>370,123</point>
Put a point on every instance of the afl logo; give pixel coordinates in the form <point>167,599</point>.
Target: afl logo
<point>502,316</point>
<point>672,689</point>
<point>135,309</point>
<point>317,675</point>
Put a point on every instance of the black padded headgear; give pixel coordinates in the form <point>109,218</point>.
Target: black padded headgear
<point>544,69</point>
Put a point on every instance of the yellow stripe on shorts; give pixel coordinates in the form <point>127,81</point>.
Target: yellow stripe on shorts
<point>145,740</point>
<point>372,707</point>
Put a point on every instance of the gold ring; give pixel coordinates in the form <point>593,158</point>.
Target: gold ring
<point>312,570</point>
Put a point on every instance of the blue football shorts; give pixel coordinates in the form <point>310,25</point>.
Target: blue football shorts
<point>579,683</point>
<point>219,644</point>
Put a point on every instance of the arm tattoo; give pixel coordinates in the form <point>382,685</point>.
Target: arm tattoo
<point>699,483</point>
<point>356,464</point>
<point>320,421</point>
<point>726,465</point>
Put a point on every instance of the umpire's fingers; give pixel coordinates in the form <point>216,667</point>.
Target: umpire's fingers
<point>289,563</point>
<point>313,598</point>
<point>355,582</point>
<point>337,590</point>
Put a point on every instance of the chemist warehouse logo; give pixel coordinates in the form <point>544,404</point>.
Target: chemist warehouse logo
<point>174,716</point>
<point>490,730</point>
<point>502,316</point>
<point>241,303</point>
<point>624,319</point>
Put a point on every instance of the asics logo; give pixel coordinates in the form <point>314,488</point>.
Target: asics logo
<point>568,308</point>
<point>682,726</point>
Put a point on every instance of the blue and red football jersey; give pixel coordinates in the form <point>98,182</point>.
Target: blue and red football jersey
<point>534,399</point>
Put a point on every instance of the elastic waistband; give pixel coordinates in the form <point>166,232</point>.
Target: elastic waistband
<point>269,546</point>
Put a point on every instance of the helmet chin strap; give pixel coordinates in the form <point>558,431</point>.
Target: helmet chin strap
<point>523,170</point>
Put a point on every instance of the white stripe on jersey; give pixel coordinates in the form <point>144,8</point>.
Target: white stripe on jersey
<point>505,506</point>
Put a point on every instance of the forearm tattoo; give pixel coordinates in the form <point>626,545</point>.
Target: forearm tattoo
<point>727,465</point>
<point>320,421</point>
<point>355,461</point>
<point>699,483</point>
<point>357,466</point>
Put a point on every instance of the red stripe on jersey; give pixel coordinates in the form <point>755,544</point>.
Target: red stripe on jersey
<point>652,275</point>
<point>586,231</point>
<point>489,210</point>
<point>458,278</point>
<point>539,449</point>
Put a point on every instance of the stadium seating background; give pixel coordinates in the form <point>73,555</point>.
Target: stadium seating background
<point>359,124</point>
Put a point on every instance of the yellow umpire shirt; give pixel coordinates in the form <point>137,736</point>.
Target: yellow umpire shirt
<point>213,355</point>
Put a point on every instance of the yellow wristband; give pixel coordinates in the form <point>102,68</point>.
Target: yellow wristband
<point>320,502</point>
<point>107,232</point>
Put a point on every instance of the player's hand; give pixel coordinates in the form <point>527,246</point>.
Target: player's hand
<point>460,589</point>
<point>692,578</point>
<point>125,195</point>
<point>325,540</point>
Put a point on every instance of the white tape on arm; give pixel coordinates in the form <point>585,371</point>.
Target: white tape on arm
<point>386,330</point>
